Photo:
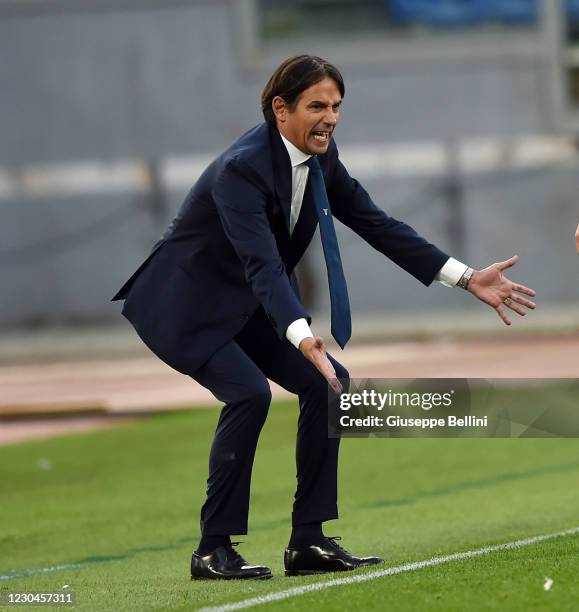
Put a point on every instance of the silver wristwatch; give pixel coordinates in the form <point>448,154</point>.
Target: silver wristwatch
<point>464,280</point>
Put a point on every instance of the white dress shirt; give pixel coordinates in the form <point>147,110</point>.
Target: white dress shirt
<point>448,275</point>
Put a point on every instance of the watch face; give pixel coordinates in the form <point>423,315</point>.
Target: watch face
<point>465,278</point>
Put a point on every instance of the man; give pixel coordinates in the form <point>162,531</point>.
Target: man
<point>217,300</point>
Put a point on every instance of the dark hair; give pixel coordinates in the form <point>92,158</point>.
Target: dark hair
<point>293,77</point>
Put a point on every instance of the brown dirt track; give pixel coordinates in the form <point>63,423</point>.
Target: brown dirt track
<point>99,392</point>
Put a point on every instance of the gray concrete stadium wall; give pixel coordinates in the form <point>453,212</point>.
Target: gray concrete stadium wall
<point>150,83</point>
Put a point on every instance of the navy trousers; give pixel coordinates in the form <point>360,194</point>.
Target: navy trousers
<point>237,375</point>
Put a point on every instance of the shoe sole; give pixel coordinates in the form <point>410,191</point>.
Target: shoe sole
<point>312,572</point>
<point>264,577</point>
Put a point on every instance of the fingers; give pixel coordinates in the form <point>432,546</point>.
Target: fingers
<point>329,373</point>
<point>336,385</point>
<point>316,354</point>
<point>510,303</point>
<point>320,360</point>
<point>521,300</point>
<point>329,370</point>
<point>502,315</point>
<point>523,289</point>
<point>509,263</point>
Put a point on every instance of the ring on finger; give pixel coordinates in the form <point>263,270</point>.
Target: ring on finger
<point>507,301</point>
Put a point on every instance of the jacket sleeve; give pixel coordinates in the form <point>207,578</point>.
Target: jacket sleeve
<point>352,205</point>
<point>240,196</point>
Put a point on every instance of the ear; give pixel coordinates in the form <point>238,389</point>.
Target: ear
<point>279,108</point>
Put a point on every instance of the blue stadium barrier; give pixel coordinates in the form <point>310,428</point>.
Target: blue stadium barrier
<point>516,12</point>
<point>445,13</point>
<point>573,10</point>
<point>461,13</point>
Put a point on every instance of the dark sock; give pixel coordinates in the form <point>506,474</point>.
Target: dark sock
<point>306,535</point>
<point>210,542</point>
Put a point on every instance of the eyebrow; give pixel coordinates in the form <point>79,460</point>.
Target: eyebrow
<point>320,103</point>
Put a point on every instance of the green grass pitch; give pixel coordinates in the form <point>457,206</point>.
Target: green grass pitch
<point>123,504</point>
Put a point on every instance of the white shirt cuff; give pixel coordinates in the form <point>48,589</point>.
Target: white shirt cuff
<point>451,272</point>
<point>297,331</point>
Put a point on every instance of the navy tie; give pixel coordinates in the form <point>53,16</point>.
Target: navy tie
<point>341,318</point>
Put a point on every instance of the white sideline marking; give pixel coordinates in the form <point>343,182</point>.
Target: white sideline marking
<point>42,570</point>
<point>389,571</point>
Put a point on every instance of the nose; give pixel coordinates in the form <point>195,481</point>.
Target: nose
<point>331,117</point>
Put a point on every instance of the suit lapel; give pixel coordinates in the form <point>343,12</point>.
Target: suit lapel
<point>282,174</point>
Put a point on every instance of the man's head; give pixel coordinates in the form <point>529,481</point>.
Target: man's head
<point>302,98</point>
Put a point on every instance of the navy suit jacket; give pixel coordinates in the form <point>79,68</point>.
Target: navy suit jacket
<point>229,250</point>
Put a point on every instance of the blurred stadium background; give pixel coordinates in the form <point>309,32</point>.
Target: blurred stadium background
<point>460,117</point>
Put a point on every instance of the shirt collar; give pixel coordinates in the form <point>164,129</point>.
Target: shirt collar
<point>296,156</point>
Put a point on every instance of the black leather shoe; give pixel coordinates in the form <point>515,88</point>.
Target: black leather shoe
<point>326,556</point>
<point>224,563</point>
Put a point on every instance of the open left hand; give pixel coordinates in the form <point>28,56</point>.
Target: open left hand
<point>492,287</point>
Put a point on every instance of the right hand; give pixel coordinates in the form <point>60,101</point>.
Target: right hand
<point>314,350</point>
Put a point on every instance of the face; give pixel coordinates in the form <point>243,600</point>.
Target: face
<point>309,126</point>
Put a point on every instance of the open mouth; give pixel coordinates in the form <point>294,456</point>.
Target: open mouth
<point>321,137</point>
